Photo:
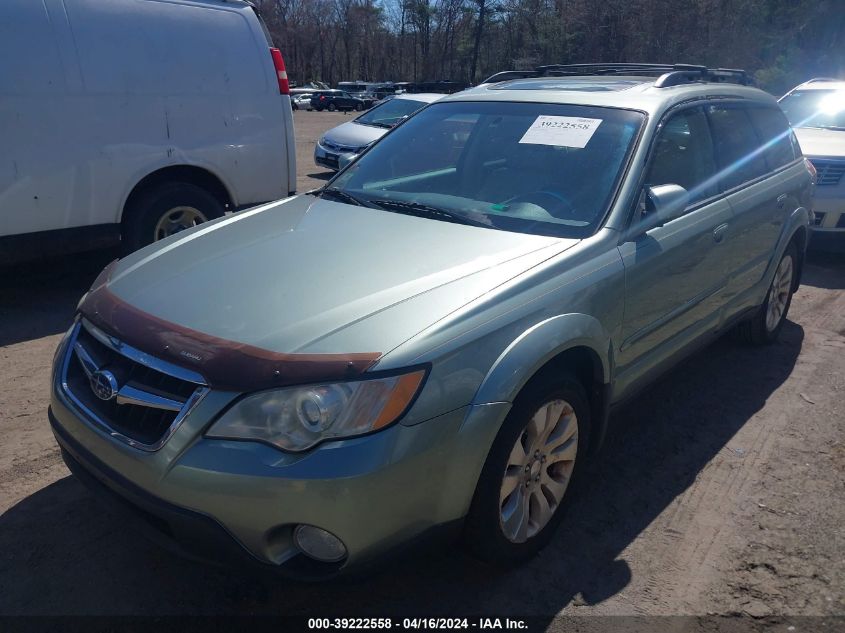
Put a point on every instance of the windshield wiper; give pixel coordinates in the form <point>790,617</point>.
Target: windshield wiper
<point>386,126</point>
<point>343,196</point>
<point>425,211</point>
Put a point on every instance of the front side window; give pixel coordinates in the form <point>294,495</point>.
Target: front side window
<point>739,151</point>
<point>815,108</point>
<point>389,113</point>
<point>547,169</point>
<point>683,155</point>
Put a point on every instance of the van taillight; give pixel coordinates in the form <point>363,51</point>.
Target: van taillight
<point>281,73</point>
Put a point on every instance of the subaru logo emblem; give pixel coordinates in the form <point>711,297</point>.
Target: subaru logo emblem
<point>104,385</point>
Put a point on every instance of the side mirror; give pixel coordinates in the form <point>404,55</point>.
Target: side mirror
<point>664,203</point>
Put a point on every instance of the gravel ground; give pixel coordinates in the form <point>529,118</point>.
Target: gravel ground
<point>720,490</point>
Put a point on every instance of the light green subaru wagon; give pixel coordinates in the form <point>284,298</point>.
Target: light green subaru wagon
<point>432,343</point>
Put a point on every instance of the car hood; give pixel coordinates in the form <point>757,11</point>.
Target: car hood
<point>312,276</point>
<point>819,142</point>
<point>354,134</point>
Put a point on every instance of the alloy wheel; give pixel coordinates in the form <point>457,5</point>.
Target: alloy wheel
<point>779,293</point>
<point>538,471</point>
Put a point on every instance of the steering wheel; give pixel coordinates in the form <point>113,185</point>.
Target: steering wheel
<point>560,203</point>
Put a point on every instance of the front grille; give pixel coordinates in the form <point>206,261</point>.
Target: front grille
<point>337,147</point>
<point>830,172</point>
<point>142,399</point>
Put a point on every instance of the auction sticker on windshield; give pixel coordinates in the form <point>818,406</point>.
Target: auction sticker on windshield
<point>561,131</point>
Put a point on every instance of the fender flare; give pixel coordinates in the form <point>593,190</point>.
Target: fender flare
<point>535,347</point>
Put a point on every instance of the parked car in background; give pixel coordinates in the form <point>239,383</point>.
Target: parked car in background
<point>431,344</point>
<point>333,100</point>
<point>308,87</point>
<point>302,101</point>
<point>128,121</point>
<point>343,143</point>
<point>365,90</point>
<point>816,111</point>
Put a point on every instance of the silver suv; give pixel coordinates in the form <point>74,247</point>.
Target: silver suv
<point>434,340</point>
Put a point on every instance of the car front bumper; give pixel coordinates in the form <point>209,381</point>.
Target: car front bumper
<point>219,500</point>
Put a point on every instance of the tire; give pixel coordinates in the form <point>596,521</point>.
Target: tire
<point>492,531</point>
<point>332,107</point>
<point>765,326</point>
<point>146,221</point>
<point>358,107</point>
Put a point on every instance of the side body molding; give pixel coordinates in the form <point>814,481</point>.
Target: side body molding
<point>536,346</point>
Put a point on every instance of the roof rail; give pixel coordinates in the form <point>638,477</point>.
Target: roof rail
<point>507,75</point>
<point>668,74</point>
<point>822,79</point>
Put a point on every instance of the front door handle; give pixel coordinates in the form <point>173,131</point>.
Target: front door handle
<point>719,233</point>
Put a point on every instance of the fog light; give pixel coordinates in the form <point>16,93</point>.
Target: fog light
<point>319,544</point>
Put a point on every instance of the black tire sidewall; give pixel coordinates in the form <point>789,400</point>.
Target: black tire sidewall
<point>152,205</point>
<point>482,533</point>
<point>332,107</point>
<point>772,335</point>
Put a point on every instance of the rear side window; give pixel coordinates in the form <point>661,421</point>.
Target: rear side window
<point>739,152</point>
<point>683,155</point>
<point>774,131</point>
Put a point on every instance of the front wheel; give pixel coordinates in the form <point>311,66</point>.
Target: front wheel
<point>526,481</point>
<point>358,107</point>
<point>765,326</point>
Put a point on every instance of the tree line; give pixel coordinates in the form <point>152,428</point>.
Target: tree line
<point>781,42</point>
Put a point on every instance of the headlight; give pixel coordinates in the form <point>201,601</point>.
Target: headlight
<point>297,418</point>
<point>322,140</point>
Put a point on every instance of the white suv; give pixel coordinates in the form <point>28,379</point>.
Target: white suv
<point>816,110</point>
<point>134,119</point>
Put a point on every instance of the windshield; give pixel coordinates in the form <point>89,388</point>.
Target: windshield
<point>815,108</point>
<point>546,169</point>
<point>390,113</point>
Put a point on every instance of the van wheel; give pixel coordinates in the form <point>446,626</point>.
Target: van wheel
<point>166,210</point>
<point>332,107</point>
<point>765,326</point>
<point>527,480</point>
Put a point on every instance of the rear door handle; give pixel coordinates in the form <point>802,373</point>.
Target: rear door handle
<point>719,233</point>
<point>782,200</point>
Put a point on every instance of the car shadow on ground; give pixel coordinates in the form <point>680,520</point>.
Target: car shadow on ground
<point>322,175</point>
<point>39,298</point>
<point>62,554</point>
<point>824,270</point>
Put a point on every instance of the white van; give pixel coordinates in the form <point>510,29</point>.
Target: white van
<point>134,119</point>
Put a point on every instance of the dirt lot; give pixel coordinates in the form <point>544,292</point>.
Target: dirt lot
<point>721,490</point>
